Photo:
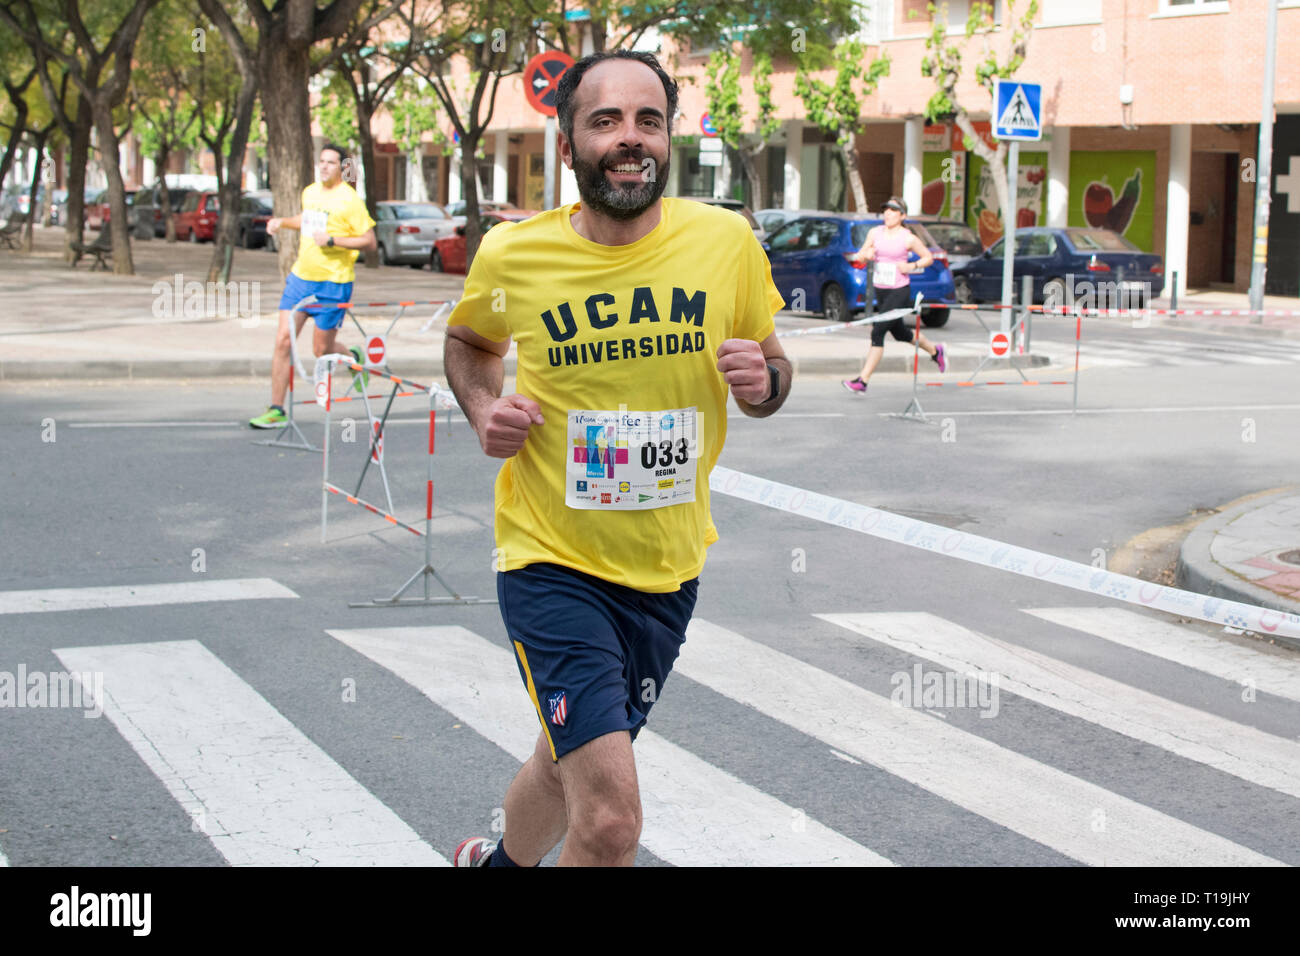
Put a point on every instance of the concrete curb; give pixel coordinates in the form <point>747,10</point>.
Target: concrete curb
<point>100,369</point>
<point>1198,571</point>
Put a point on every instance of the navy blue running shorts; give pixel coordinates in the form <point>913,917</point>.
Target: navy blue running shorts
<point>593,655</point>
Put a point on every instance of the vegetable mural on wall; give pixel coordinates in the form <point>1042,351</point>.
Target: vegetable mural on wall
<point>1114,191</point>
<point>985,215</point>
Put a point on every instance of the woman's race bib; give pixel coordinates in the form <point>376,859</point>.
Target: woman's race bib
<point>886,273</point>
<point>631,460</point>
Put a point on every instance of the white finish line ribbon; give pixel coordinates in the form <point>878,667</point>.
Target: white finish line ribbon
<point>865,320</point>
<point>997,554</point>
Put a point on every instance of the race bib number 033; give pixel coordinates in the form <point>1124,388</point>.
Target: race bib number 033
<point>624,460</point>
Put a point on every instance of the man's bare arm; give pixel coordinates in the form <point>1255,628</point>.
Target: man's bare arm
<point>476,373</point>
<point>744,363</point>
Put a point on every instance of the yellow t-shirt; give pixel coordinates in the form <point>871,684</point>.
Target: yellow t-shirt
<point>340,212</point>
<point>631,331</point>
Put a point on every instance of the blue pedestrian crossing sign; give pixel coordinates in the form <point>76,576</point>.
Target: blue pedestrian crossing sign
<point>1017,110</point>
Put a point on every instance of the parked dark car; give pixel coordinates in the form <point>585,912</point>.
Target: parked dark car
<point>254,214</point>
<point>448,255</point>
<point>149,208</point>
<point>1099,256</point>
<point>197,220</point>
<point>98,212</point>
<point>811,265</point>
<point>956,238</point>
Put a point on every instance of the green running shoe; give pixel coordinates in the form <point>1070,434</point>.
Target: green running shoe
<point>271,418</point>
<point>359,379</point>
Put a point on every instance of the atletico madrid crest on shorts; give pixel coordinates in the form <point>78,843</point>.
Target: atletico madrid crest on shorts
<point>559,708</point>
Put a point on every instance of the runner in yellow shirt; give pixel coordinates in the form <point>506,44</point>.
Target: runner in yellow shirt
<point>634,317</point>
<point>336,229</point>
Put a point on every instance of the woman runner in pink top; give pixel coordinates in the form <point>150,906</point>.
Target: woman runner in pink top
<point>888,246</point>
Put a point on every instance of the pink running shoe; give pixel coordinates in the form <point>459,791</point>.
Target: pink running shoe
<point>939,358</point>
<point>855,385</point>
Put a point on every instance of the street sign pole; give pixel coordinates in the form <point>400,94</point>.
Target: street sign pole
<point>548,149</point>
<point>1009,231</point>
<point>1263,171</point>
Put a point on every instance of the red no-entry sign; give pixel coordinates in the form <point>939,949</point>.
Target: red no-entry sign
<point>999,344</point>
<point>542,79</point>
<point>376,349</point>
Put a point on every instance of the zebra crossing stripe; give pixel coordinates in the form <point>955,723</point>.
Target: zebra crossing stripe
<point>694,814</point>
<point>263,793</point>
<point>1271,674</point>
<point>1234,748</point>
<point>997,554</point>
<point>140,595</point>
<point>1061,811</point>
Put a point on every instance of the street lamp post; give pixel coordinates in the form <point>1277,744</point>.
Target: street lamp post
<point>1264,171</point>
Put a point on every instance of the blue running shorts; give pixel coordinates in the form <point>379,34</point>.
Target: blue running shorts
<point>593,655</point>
<point>295,290</point>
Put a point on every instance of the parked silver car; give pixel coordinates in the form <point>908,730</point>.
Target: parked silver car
<point>406,231</point>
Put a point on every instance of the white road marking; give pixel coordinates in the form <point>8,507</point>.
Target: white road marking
<point>694,813</point>
<point>261,791</point>
<point>1071,815</point>
<point>1226,745</point>
<point>1271,674</point>
<point>140,595</point>
<point>229,424</point>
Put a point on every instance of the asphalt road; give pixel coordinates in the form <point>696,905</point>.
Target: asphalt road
<point>154,484</point>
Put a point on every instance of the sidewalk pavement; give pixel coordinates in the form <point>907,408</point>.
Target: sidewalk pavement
<point>1249,553</point>
<point>62,323</point>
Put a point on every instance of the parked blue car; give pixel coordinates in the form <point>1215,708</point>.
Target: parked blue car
<point>1103,261</point>
<point>812,271</point>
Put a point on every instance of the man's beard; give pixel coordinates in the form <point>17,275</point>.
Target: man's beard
<point>619,201</point>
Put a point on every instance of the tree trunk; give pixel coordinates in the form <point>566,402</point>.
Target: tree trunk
<point>469,183</point>
<point>368,171</point>
<point>19,124</point>
<point>169,227</point>
<point>227,231</point>
<point>118,226</point>
<point>78,153</point>
<point>28,238</point>
<point>855,177</point>
<point>282,78</point>
<point>749,160</point>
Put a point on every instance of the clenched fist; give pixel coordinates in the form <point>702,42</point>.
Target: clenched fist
<point>503,430</point>
<point>743,365</point>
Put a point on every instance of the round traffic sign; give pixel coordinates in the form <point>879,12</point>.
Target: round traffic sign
<point>706,125</point>
<point>542,79</point>
<point>999,344</point>
<point>375,349</point>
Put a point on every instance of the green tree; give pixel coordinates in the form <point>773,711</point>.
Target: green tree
<point>166,115</point>
<point>277,54</point>
<point>723,92</point>
<point>415,111</point>
<point>836,107</point>
<point>96,51</point>
<point>943,63</point>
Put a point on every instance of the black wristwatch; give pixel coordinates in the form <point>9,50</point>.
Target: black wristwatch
<point>331,242</point>
<point>774,376</point>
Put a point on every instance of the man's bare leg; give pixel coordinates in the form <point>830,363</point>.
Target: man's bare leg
<point>536,817</point>
<point>603,802</point>
<point>281,357</point>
